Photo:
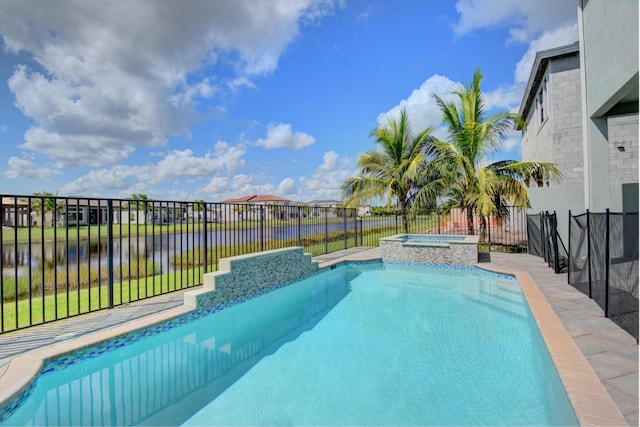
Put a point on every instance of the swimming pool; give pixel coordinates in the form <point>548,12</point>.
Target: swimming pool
<point>432,238</point>
<point>360,344</point>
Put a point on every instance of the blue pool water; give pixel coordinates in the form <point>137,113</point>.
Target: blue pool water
<point>362,344</point>
<point>432,238</point>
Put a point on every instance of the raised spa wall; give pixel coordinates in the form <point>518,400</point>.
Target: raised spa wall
<point>242,275</point>
<point>460,252</point>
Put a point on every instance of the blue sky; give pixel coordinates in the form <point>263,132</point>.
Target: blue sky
<point>217,99</point>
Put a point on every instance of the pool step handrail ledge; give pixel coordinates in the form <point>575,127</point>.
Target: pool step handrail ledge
<point>242,275</point>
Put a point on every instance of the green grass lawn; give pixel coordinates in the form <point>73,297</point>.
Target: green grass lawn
<point>43,309</point>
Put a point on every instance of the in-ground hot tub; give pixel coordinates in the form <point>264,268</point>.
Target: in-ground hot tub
<point>440,249</point>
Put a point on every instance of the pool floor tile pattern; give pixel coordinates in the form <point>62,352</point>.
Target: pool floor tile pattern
<point>610,352</point>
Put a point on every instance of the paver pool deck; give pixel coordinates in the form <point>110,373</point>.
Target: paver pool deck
<point>597,361</point>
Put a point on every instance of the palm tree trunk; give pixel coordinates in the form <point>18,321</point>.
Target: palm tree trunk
<point>469,220</point>
<point>403,212</point>
<point>483,229</point>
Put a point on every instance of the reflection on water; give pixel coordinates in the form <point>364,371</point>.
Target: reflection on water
<point>159,248</point>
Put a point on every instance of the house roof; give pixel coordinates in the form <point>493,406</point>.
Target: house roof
<point>11,201</point>
<point>537,73</point>
<point>324,202</point>
<point>257,198</point>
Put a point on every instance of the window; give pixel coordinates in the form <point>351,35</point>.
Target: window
<point>543,100</point>
<point>76,215</point>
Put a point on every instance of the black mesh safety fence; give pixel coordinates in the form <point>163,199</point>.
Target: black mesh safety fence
<point>534,235</point>
<point>543,240</point>
<point>622,302</point>
<point>604,263</point>
<point>578,275</point>
<point>597,258</point>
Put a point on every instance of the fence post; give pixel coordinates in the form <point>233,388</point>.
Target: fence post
<point>569,251</point>
<point>299,225</point>
<point>344,216</point>
<point>110,251</point>
<point>438,214</point>
<point>488,222</point>
<point>261,228</point>
<point>355,229</point>
<point>589,252</point>
<point>543,237</point>
<point>554,236</point>
<point>326,231</point>
<point>396,222</point>
<point>206,239</point>
<point>606,269</point>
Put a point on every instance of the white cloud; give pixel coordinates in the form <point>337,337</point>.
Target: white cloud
<point>203,89</point>
<point>542,24</point>
<point>280,135</point>
<point>510,142</point>
<point>525,18</point>
<point>558,37</point>
<point>225,187</point>
<point>503,98</point>
<point>287,187</point>
<point>174,166</point>
<point>421,107</point>
<point>178,163</point>
<point>27,169</point>
<point>326,180</point>
<point>117,75</point>
<point>243,184</point>
<point>218,185</point>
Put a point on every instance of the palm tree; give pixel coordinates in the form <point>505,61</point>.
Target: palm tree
<point>139,201</point>
<point>44,202</point>
<point>198,206</point>
<point>241,211</point>
<point>397,170</point>
<point>474,185</point>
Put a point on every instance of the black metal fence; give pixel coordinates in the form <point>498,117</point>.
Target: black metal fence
<point>603,249</point>
<point>65,256</point>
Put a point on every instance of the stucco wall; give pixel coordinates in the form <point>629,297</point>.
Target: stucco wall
<point>611,50</point>
<point>560,199</point>
<point>623,166</point>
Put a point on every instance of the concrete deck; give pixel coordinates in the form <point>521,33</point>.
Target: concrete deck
<point>609,352</point>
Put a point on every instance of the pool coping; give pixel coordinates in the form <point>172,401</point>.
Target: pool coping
<point>590,400</point>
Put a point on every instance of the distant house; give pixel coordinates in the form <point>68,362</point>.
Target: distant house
<point>256,206</point>
<point>77,211</point>
<point>317,208</point>
<point>361,211</point>
<point>14,212</point>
